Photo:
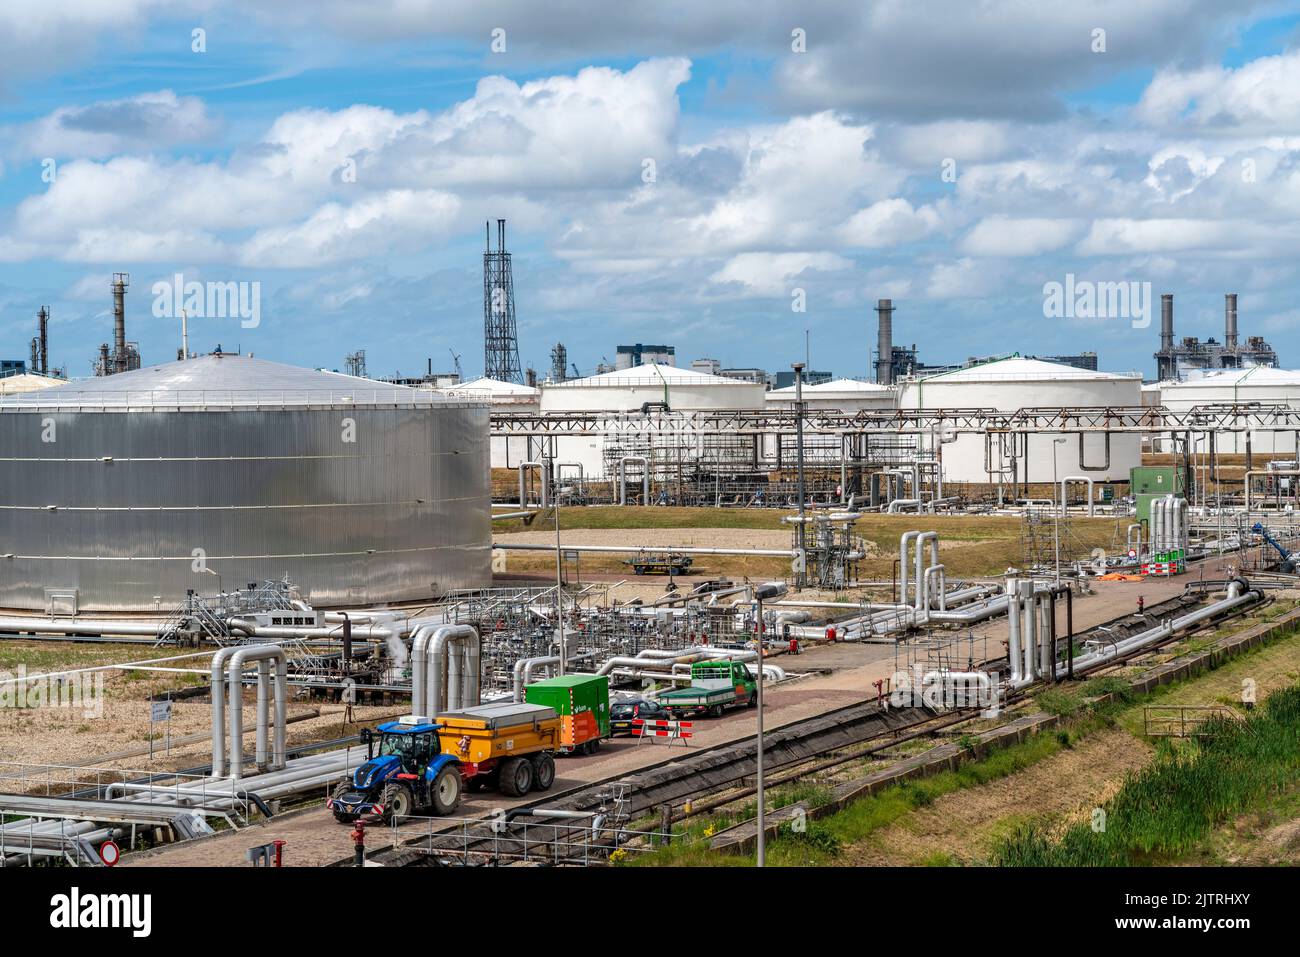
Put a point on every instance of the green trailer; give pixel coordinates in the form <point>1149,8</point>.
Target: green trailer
<point>582,702</point>
<point>715,686</point>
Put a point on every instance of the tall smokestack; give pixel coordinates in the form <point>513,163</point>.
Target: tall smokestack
<point>1165,357</point>
<point>120,280</point>
<point>1230,320</point>
<point>43,322</point>
<point>885,343</point>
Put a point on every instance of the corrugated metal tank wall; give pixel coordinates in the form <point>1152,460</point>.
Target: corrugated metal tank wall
<point>401,513</point>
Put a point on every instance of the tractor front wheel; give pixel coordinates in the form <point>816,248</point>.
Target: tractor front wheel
<point>398,802</point>
<point>341,789</point>
<point>446,791</point>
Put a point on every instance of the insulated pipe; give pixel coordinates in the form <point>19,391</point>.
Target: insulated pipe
<point>922,597</point>
<point>1238,593</point>
<point>523,672</point>
<point>645,478</point>
<point>1092,503</point>
<point>1029,628</point>
<point>241,657</point>
<point>898,504</point>
<point>542,477</point>
<point>1014,609</point>
<point>938,588</point>
<point>630,549</point>
<point>436,662</point>
<point>903,541</point>
<point>263,676</point>
<point>419,659</point>
<point>217,686</point>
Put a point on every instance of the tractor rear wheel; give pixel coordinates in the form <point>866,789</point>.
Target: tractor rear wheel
<point>543,772</point>
<point>445,791</point>
<point>398,802</point>
<point>516,777</point>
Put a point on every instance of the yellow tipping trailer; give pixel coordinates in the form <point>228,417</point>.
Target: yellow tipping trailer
<point>510,744</point>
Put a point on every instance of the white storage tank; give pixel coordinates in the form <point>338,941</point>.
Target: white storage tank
<point>626,392</point>
<point>503,398</point>
<point>629,390</point>
<point>1258,384</point>
<point>1018,383</point>
<point>847,395</point>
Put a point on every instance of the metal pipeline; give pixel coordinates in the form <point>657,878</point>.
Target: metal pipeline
<point>429,663</point>
<point>259,654</point>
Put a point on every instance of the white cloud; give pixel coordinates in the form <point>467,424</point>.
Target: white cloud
<point>890,222</point>
<point>395,220</point>
<point>769,274</point>
<point>1264,93</point>
<point>1007,236</point>
<point>142,123</point>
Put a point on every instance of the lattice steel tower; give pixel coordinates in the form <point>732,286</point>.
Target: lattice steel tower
<point>500,340</point>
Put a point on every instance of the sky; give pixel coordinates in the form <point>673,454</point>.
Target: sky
<point>723,177</point>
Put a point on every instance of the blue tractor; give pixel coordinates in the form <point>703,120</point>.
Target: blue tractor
<point>405,771</point>
<point>1287,565</point>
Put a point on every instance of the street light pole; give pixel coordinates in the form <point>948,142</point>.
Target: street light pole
<point>1060,508</point>
<point>768,590</point>
<point>800,578</point>
<point>559,578</point>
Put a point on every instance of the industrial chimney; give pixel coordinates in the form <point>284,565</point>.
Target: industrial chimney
<point>1230,320</point>
<point>1165,357</point>
<point>885,342</point>
<point>42,336</point>
<point>120,280</point>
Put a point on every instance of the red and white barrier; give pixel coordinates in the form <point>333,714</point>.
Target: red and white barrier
<point>668,730</point>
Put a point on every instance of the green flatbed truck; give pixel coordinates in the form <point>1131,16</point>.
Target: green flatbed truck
<point>715,686</point>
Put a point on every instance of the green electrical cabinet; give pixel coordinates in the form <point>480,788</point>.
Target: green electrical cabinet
<point>1155,481</point>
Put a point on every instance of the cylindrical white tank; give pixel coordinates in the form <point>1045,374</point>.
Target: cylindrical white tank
<point>625,393</point>
<point>1017,383</point>
<point>847,395</point>
<point>1258,384</point>
<point>503,397</point>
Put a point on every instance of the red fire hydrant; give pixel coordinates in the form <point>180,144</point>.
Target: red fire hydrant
<point>359,844</point>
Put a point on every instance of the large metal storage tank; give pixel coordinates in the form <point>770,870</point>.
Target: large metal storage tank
<point>1258,384</point>
<point>625,392</point>
<point>117,492</point>
<point>1017,383</point>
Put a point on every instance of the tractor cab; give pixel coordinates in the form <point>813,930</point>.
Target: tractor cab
<point>412,740</point>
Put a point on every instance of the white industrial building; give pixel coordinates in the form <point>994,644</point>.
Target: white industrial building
<point>1258,384</point>
<point>847,395</point>
<point>1018,383</point>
